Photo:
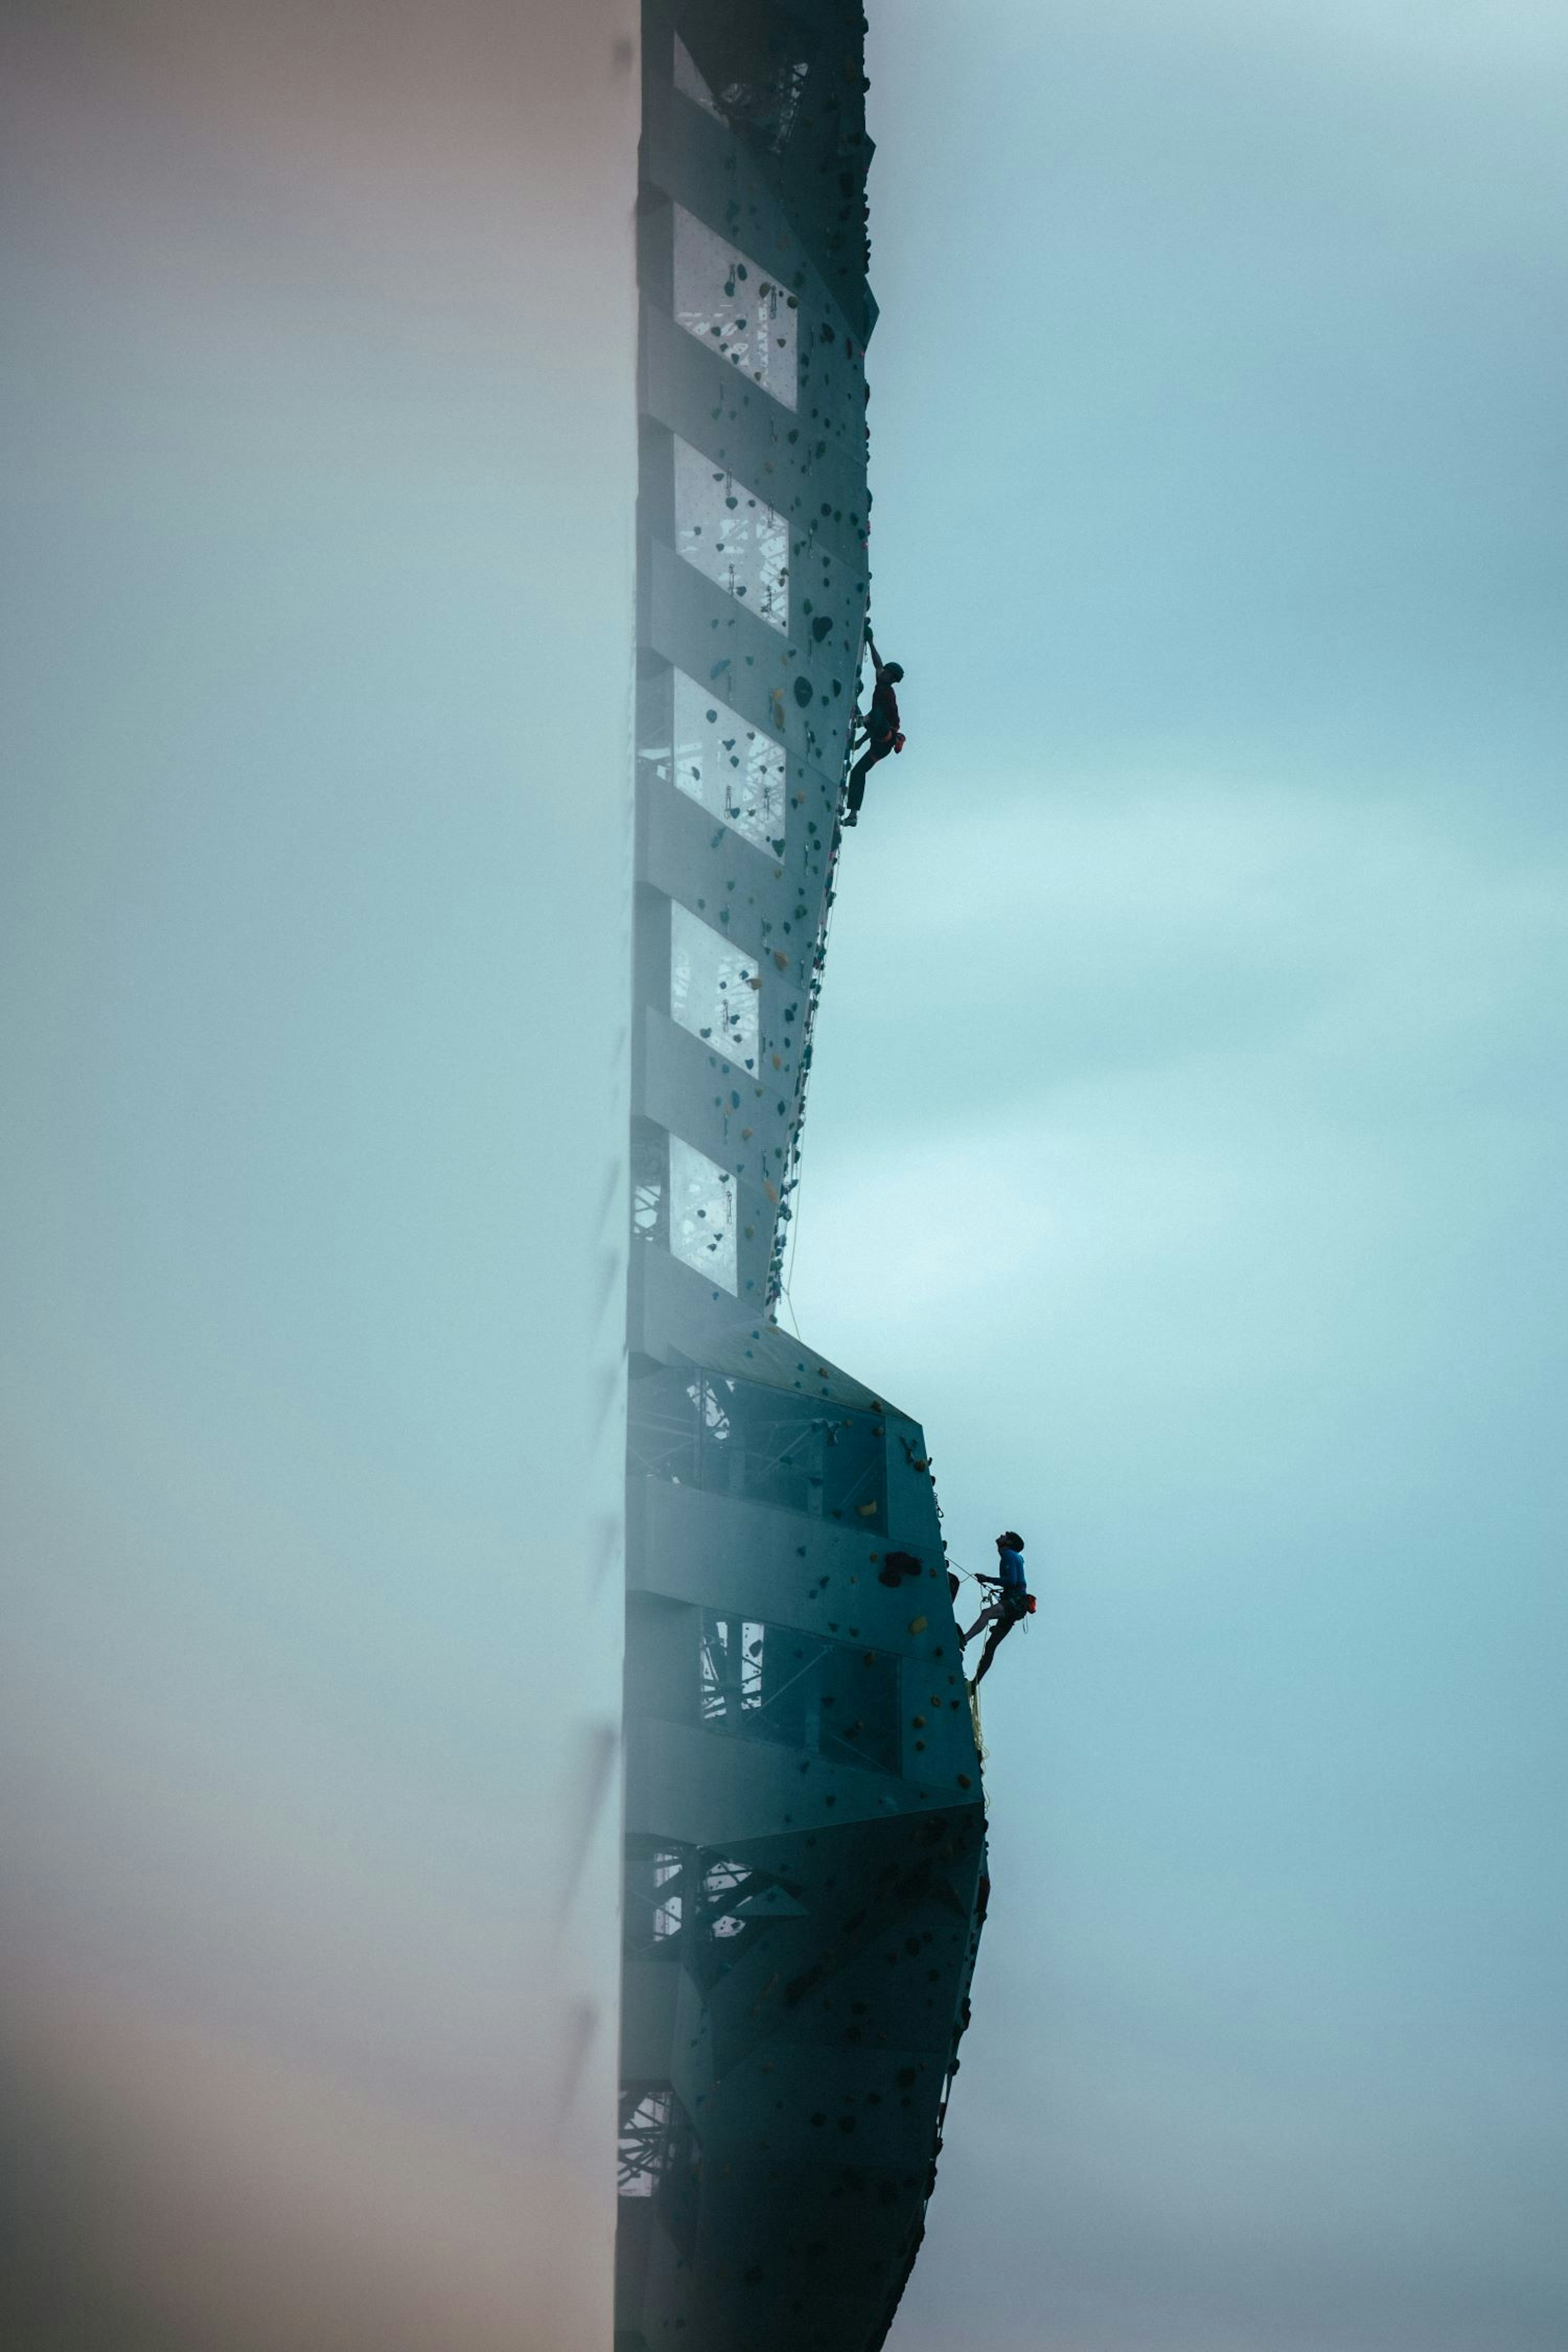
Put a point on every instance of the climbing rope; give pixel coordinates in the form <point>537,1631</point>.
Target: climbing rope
<point>781,1272</point>
<point>819,962</point>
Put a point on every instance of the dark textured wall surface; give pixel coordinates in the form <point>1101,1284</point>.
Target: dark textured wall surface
<point>804,1823</point>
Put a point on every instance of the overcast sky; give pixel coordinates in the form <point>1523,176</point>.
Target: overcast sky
<point>1186,1139</point>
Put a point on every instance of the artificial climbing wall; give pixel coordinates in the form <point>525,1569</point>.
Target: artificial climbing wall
<point>805,1856</point>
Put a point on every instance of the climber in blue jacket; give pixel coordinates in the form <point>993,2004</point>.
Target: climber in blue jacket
<point>1011,1601</point>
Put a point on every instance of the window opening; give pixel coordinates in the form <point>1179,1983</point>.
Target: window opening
<point>700,1429</point>
<point>724,1884</point>
<point>701,1909</point>
<point>659,2158</point>
<point>734,307</point>
<point>701,1213</point>
<point>731,536</point>
<point>713,989</point>
<point>650,1182</point>
<point>735,1907</point>
<point>646,2141</point>
<point>689,81</point>
<point>733,770</point>
<point>656,1897</point>
<point>755,80</point>
<point>771,1682</point>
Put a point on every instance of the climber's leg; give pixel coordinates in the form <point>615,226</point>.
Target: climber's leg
<point>858,773</point>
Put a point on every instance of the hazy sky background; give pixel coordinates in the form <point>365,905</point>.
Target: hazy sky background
<point>1186,1139</point>
<point>319,414</point>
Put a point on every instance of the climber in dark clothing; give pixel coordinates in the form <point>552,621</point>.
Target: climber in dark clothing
<point>1012,1603</point>
<point>880,726</point>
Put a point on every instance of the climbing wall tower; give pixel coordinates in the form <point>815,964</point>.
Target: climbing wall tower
<point>805,1832</point>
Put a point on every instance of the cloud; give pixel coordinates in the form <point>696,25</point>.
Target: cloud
<point>1177,1151</point>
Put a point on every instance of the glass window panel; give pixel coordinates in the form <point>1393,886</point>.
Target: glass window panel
<point>712,987</point>
<point>731,536</point>
<point>736,771</point>
<point>702,1213</point>
<point>733,307</point>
